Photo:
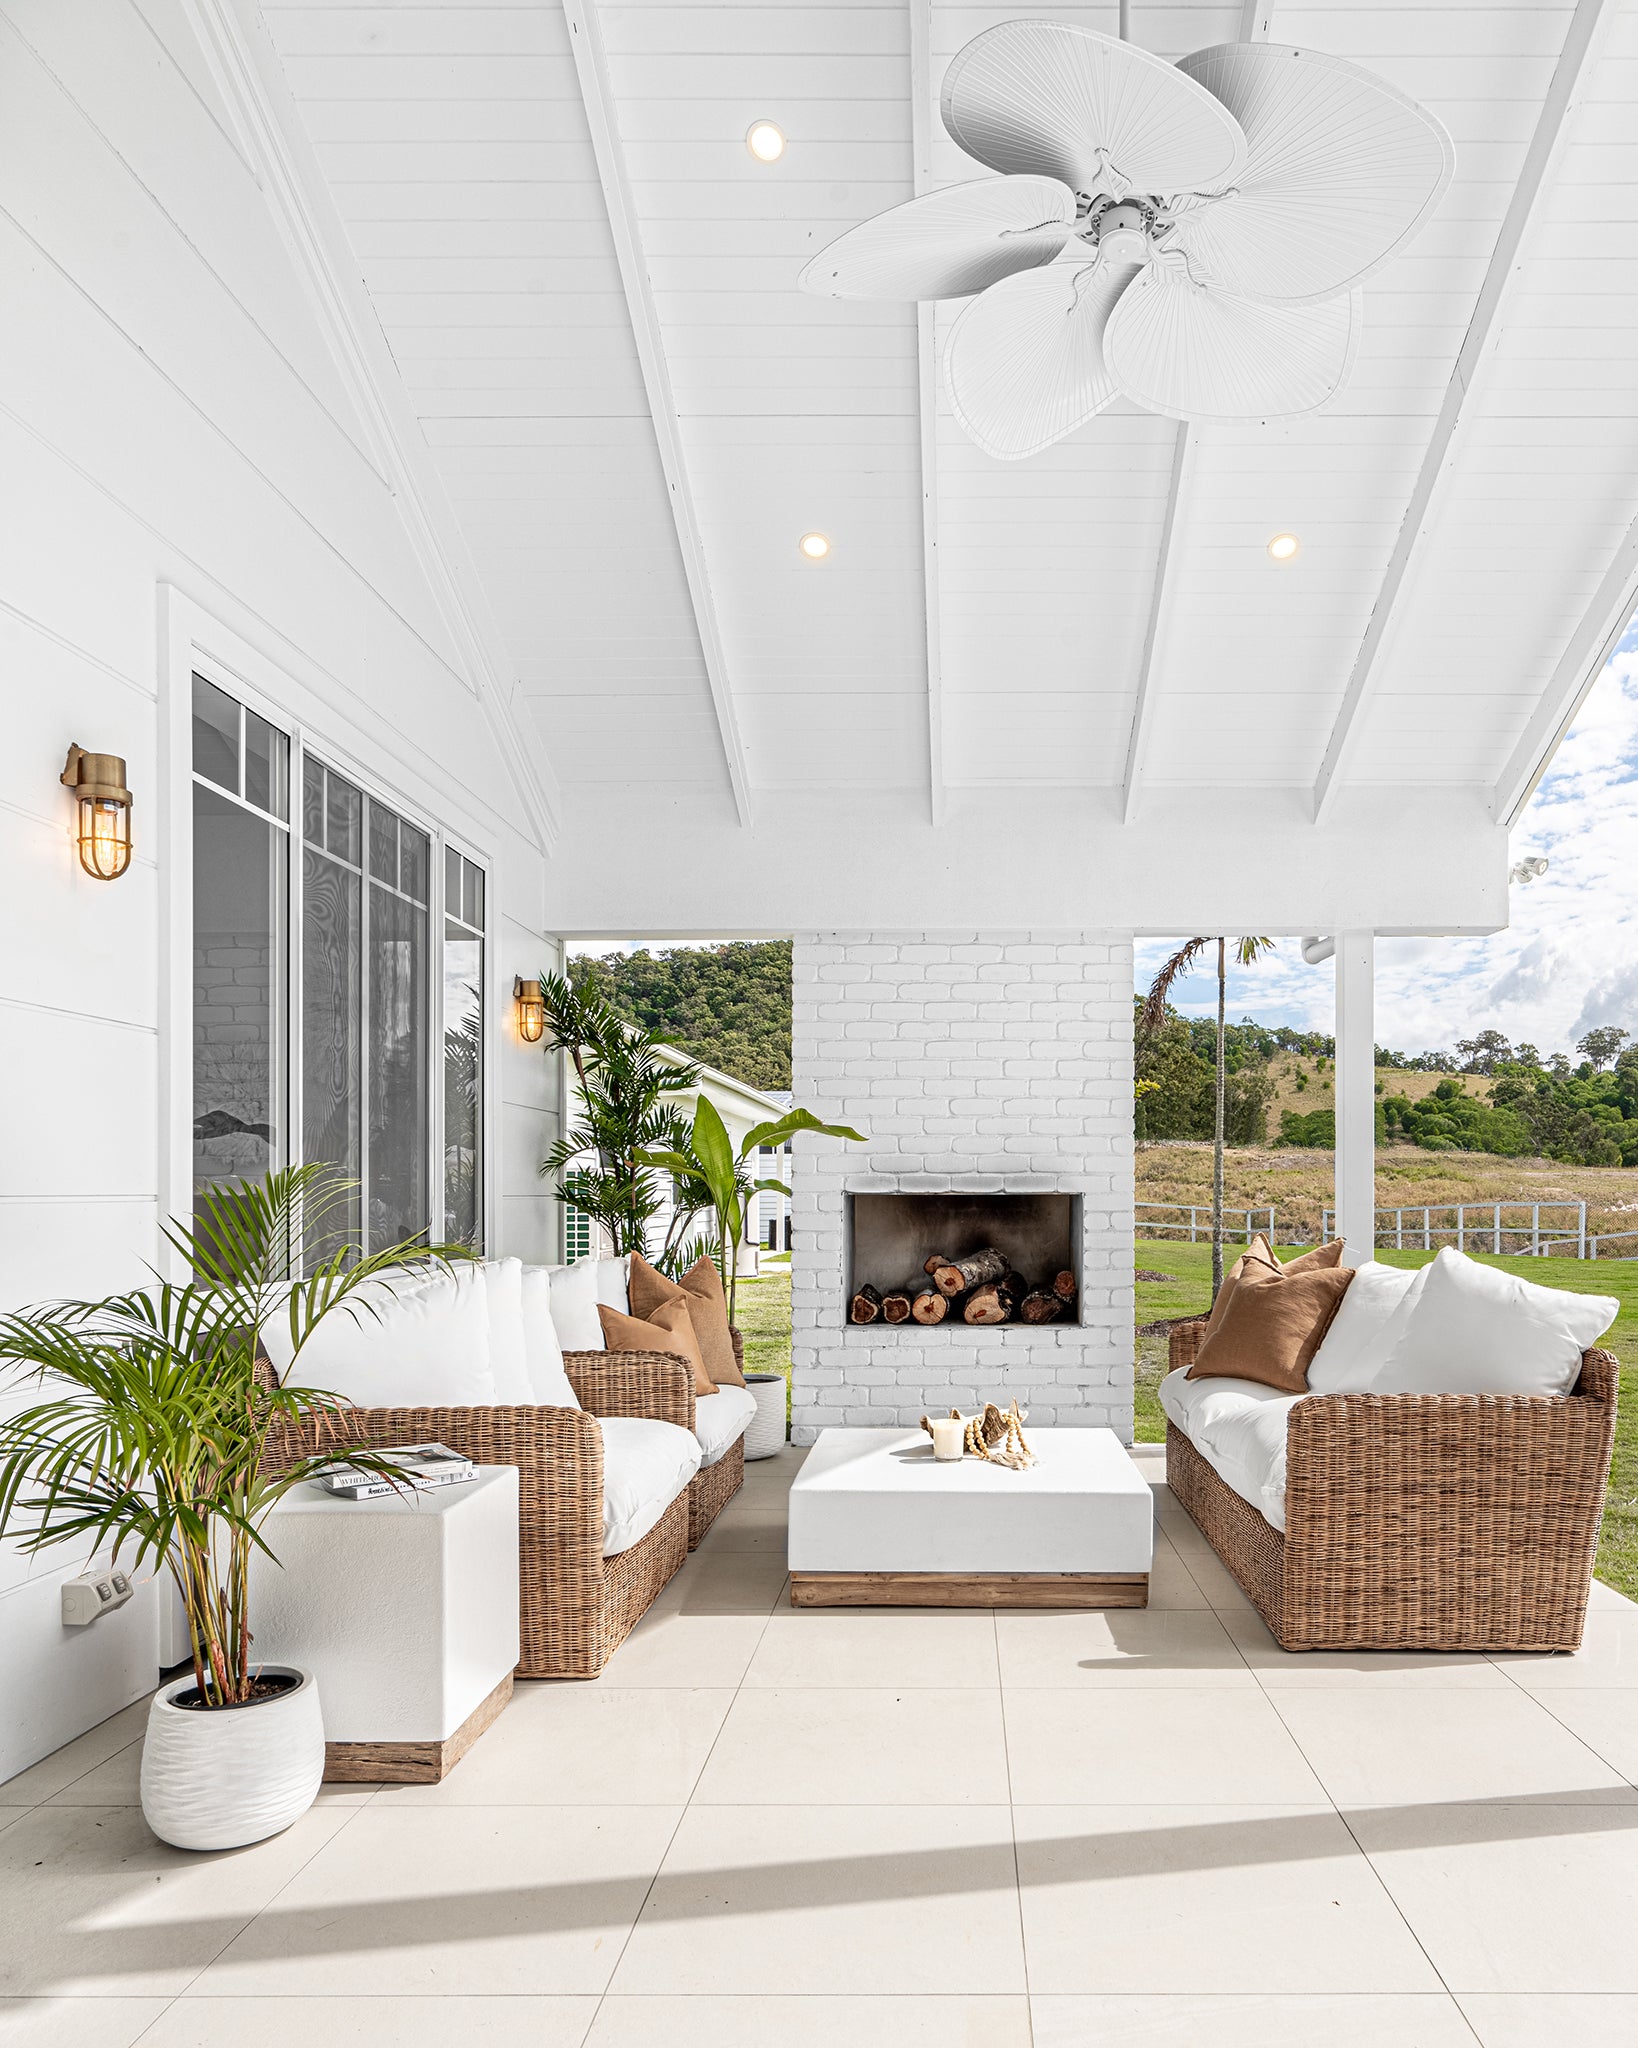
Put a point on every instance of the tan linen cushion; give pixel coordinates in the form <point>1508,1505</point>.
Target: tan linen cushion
<point>1273,1326</point>
<point>701,1288</point>
<point>670,1328</point>
<point>1320,1259</point>
<point>1258,1253</point>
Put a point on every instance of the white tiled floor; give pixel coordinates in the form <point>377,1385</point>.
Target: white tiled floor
<point>774,1829</point>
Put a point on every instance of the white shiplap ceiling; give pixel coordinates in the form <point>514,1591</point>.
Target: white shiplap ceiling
<point>589,288</point>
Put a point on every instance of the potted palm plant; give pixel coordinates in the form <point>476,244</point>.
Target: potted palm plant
<point>157,1435</point>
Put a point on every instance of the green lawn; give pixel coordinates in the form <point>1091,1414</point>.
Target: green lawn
<point>762,1312</point>
<point>1188,1290</point>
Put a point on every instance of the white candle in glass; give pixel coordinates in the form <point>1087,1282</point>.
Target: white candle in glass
<point>947,1435</point>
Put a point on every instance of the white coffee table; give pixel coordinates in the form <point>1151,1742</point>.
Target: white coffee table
<point>875,1521</point>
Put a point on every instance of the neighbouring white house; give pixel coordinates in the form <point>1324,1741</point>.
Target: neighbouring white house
<point>438,527</point>
<point>741,1108</point>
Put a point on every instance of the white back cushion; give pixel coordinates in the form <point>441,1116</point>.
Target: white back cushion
<point>1478,1330</point>
<point>504,1280</point>
<point>574,1306</point>
<point>720,1420</point>
<point>543,1354</point>
<point>1354,1351</point>
<point>427,1348</point>
<point>614,1287</point>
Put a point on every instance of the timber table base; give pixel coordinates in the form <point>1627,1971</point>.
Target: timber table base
<point>876,1521</point>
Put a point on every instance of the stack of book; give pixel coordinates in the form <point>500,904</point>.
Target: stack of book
<point>421,1468</point>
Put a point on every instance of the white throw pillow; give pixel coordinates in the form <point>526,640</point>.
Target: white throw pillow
<point>614,1286</point>
<point>543,1354</point>
<point>504,1279</point>
<point>574,1306</point>
<point>427,1348</point>
<point>1354,1350</point>
<point>1478,1330</point>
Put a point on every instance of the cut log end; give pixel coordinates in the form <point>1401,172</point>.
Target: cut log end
<point>930,1307</point>
<point>1063,1285</point>
<point>932,1265</point>
<point>978,1269</point>
<point>867,1304</point>
<point>994,1303</point>
<point>895,1308</point>
<point>1040,1305</point>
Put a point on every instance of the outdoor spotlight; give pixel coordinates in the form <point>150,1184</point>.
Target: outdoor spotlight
<point>104,834</point>
<point>814,547</point>
<point>531,1009</point>
<point>1283,547</point>
<point>765,142</point>
<point>1526,870</point>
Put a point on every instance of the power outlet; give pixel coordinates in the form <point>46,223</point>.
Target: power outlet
<point>94,1594</point>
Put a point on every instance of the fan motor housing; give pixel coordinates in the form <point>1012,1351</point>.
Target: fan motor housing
<point>1123,233</point>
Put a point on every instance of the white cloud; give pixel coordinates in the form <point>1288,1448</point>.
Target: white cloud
<point>1568,961</point>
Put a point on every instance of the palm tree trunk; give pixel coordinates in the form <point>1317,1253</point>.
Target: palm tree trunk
<point>1217,1132</point>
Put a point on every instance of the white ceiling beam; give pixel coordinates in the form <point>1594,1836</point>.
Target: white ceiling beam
<point>1577,58</point>
<point>1595,639</point>
<point>591,66</point>
<point>252,82</point>
<point>1255,17</point>
<point>1184,448</point>
<point>922,136</point>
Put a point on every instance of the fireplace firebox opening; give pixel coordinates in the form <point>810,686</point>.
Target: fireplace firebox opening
<point>1033,1278</point>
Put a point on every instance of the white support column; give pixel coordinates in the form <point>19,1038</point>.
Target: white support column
<point>1356,1095</point>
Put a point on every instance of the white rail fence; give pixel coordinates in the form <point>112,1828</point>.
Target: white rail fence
<point>1191,1221</point>
<point>1539,1230</point>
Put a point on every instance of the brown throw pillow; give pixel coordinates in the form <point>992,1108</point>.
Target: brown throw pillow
<point>1273,1326</point>
<point>701,1288</point>
<point>670,1328</point>
<point>1258,1253</point>
<point>1319,1260</point>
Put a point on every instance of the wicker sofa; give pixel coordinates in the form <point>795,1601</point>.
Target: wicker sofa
<point>1418,1521</point>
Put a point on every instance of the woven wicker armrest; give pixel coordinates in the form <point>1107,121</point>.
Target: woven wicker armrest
<point>1184,1343</point>
<point>1446,1506</point>
<point>657,1384</point>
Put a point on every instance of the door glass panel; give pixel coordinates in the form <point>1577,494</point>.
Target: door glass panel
<point>332,1004</point>
<point>463,1055</point>
<point>384,845</point>
<point>239,908</point>
<point>215,735</point>
<point>396,1054</point>
<point>267,766</point>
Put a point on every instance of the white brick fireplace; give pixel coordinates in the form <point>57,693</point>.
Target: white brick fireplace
<point>988,1062</point>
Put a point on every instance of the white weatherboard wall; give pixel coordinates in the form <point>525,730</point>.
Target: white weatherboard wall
<point>976,1061</point>
<point>178,445</point>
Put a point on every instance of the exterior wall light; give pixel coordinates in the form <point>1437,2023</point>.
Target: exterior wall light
<point>531,1009</point>
<point>104,834</point>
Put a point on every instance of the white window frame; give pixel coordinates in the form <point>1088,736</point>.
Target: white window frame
<point>194,642</point>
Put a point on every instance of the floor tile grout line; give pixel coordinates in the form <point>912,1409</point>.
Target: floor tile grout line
<point>1543,1700</point>
<point>1012,1826</point>
<point>684,1809</point>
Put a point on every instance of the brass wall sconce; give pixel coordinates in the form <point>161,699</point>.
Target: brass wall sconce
<point>104,835</point>
<point>531,1008</point>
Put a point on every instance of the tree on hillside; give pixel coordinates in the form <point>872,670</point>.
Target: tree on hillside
<point>1154,1012</point>
<point>1485,1053</point>
<point>1600,1046</point>
<point>727,1005</point>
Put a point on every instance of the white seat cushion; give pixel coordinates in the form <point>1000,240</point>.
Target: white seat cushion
<point>427,1345</point>
<point>720,1420</point>
<point>1356,1345</point>
<point>1479,1330</point>
<point>645,1466</point>
<point>504,1280</point>
<point>543,1354</point>
<point>574,1305</point>
<point>1238,1427</point>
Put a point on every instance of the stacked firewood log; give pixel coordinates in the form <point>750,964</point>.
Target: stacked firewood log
<point>981,1288</point>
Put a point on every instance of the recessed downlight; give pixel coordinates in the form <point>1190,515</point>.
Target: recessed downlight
<point>1284,547</point>
<point>765,142</point>
<point>814,546</point>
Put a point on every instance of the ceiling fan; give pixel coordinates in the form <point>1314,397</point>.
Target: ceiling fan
<point>1190,236</point>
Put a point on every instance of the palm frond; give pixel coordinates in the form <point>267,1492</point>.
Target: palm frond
<point>1153,1013</point>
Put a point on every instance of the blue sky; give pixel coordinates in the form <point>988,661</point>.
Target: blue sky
<point>1568,960</point>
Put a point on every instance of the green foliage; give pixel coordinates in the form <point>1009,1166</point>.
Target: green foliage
<point>153,1431</point>
<point>1182,1104</point>
<point>729,1005</point>
<point>627,1111</point>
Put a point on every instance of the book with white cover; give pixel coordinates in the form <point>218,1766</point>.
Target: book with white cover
<point>422,1467</point>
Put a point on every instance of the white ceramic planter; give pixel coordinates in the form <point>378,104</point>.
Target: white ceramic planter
<point>765,1432</point>
<point>220,1779</point>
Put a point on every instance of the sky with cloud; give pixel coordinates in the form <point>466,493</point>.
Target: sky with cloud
<point>1569,959</point>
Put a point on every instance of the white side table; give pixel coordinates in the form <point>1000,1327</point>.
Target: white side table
<point>405,1609</point>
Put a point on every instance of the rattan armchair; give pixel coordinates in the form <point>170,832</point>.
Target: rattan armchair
<point>575,1605</point>
<point>1419,1521</point>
